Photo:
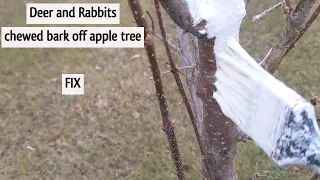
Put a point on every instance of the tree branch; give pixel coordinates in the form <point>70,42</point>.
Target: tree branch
<point>172,46</point>
<point>297,25</point>
<point>166,121</point>
<point>305,28</point>
<point>175,73</point>
<point>264,13</point>
<point>315,177</point>
<point>219,132</point>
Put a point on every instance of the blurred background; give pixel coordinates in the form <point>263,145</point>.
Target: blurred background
<point>113,132</point>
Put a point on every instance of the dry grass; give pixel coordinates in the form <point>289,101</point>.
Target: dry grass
<point>113,131</point>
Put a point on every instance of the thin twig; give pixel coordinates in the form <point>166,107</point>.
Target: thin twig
<point>179,69</point>
<point>254,176</point>
<point>264,13</point>
<point>172,46</point>
<point>152,22</point>
<point>315,177</point>
<point>166,121</point>
<point>175,73</point>
<point>257,175</point>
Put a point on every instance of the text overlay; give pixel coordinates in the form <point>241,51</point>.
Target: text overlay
<point>72,37</point>
<point>67,13</point>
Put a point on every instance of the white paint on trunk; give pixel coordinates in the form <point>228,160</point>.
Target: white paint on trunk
<point>278,119</point>
<point>223,19</point>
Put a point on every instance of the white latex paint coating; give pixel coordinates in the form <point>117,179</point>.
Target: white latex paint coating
<point>223,18</point>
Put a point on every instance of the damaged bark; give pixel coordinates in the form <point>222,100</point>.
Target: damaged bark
<point>219,135</point>
<point>219,132</point>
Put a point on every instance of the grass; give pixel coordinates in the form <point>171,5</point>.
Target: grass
<point>113,132</point>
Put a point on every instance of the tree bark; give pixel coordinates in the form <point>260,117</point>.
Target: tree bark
<point>219,132</point>
<point>219,135</point>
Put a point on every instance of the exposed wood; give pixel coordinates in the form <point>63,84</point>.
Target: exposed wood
<point>219,132</point>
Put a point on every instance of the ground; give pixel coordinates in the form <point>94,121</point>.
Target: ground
<point>113,132</point>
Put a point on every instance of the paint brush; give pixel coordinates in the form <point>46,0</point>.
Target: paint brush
<point>276,117</point>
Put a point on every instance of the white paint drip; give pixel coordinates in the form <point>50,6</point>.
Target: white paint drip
<point>262,106</point>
